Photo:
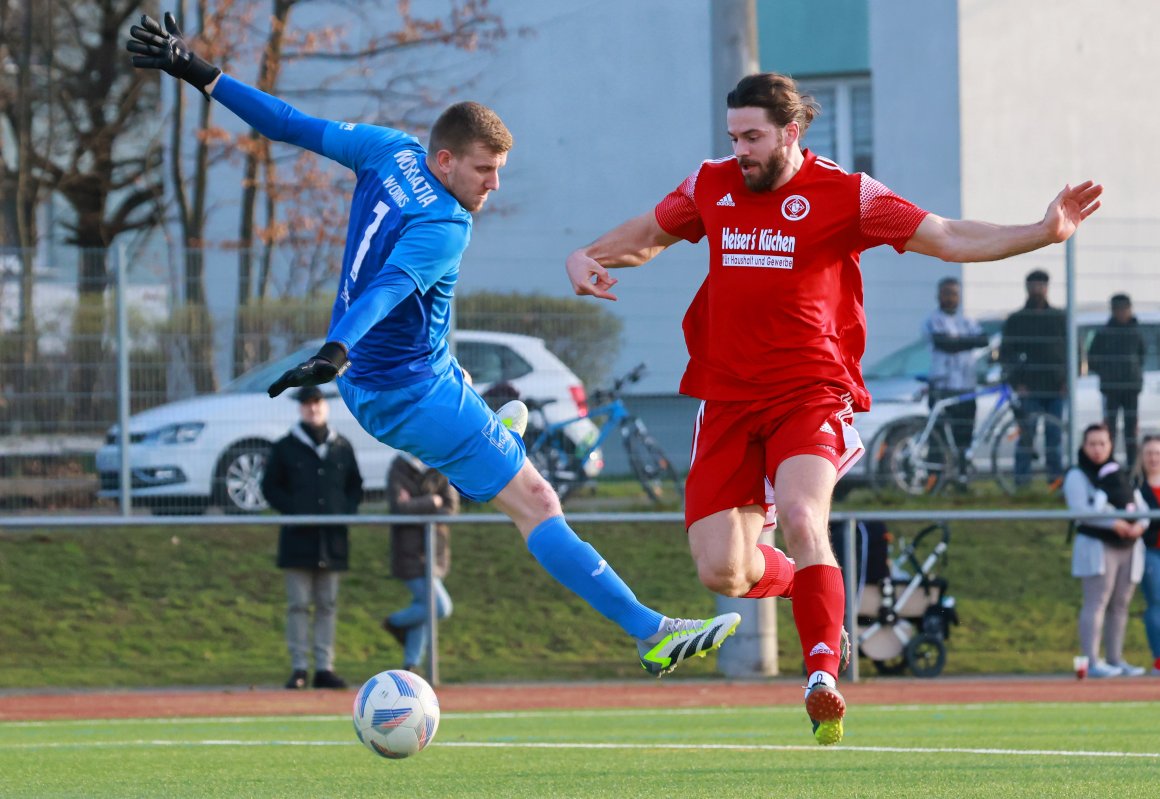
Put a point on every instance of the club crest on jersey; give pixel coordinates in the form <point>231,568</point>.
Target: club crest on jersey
<point>795,207</point>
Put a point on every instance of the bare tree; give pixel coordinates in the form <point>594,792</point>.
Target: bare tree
<point>96,159</point>
<point>19,191</point>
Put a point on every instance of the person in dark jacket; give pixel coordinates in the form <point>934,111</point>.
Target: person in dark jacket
<point>1033,354</point>
<point>413,488</point>
<point>1116,354</point>
<point>312,470</point>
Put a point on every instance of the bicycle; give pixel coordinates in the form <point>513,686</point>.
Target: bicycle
<point>561,460</point>
<point>918,455</point>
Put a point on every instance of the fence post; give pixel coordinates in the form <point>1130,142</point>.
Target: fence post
<point>126,476</point>
<point>430,547</point>
<point>752,652</point>
<point>850,558</point>
<point>1072,353</point>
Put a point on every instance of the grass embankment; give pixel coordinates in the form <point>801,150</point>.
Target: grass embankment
<point>187,606</point>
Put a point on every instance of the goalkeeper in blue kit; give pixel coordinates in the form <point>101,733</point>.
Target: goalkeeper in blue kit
<point>410,222</point>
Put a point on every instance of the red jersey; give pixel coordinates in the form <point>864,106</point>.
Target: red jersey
<point>780,311</point>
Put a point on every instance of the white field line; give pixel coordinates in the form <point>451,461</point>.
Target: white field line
<point>907,750</point>
<point>984,707</point>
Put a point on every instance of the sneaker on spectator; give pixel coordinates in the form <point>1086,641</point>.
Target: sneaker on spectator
<point>328,679</point>
<point>297,680</point>
<point>396,632</point>
<point>1101,668</point>
<point>1128,670</point>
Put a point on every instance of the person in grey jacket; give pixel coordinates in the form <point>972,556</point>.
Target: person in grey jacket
<point>312,470</point>
<point>1108,553</point>
<point>952,337</point>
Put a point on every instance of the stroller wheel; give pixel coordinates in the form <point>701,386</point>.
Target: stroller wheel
<point>892,667</point>
<point>926,655</point>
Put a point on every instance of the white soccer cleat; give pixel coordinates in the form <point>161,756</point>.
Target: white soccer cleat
<point>514,416</point>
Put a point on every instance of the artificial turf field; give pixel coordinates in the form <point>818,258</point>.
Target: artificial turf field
<point>974,750</point>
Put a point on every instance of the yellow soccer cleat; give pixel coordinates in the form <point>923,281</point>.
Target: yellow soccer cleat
<point>679,639</point>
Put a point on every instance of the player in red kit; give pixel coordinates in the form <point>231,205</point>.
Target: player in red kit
<point>775,338</point>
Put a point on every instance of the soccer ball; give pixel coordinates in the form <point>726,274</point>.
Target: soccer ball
<point>396,714</point>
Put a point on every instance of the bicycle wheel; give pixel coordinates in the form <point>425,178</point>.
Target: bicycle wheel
<point>1044,462</point>
<point>652,467</point>
<point>553,463</point>
<point>913,466</point>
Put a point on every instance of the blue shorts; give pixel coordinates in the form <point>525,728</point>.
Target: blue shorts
<point>447,425</point>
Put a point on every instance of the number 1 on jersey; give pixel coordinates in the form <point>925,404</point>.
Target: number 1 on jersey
<point>380,213</point>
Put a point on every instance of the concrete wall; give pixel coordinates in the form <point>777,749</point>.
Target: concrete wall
<point>609,105</point>
<point>914,79</point>
<point>1057,91</point>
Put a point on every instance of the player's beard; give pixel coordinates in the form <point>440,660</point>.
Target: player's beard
<point>764,178</point>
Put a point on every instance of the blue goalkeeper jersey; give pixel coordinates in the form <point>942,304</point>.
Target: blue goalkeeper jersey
<point>404,240</point>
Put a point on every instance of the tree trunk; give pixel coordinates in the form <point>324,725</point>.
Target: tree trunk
<point>196,335</point>
<point>89,408</point>
<point>246,347</point>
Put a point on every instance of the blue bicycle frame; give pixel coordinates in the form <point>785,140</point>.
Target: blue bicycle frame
<point>613,412</point>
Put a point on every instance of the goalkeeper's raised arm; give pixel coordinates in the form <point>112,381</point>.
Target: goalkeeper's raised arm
<point>154,47</point>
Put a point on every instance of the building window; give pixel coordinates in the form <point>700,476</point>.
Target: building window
<point>844,131</point>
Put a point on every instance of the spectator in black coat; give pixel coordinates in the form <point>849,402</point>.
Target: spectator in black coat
<point>1034,358</point>
<point>1116,354</point>
<point>312,470</point>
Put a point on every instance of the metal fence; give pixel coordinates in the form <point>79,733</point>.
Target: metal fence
<point>15,526</point>
<point>87,337</point>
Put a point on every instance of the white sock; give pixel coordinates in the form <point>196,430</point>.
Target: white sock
<point>821,677</point>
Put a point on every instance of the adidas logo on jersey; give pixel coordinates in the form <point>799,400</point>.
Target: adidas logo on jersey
<point>727,200</point>
<point>825,428</point>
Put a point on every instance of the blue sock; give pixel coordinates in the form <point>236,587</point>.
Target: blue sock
<point>579,567</point>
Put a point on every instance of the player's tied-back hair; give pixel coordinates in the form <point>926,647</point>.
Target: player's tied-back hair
<point>464,124</point>
<point>778,95</point>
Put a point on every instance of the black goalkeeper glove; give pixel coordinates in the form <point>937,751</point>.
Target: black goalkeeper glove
<point>167,51</point>
<point>329,363</point>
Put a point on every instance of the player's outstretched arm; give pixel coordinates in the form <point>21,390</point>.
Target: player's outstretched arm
<point>633,243</point>
<point>966,241</point>
<point>154,48</point>
<point>166,50</point>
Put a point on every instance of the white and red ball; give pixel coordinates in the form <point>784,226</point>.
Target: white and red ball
<point>396,714</point>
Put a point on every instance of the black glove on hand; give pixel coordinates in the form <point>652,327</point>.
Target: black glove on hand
<point>329,363</point>
<point>167,51</point>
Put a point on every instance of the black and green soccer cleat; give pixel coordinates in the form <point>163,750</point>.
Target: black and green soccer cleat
<point>679,639</point>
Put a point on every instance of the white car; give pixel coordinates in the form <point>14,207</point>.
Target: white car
<point>898,391</point>
<point>211,450</point>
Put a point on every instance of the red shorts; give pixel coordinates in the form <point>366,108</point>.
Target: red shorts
<point>738,445</point>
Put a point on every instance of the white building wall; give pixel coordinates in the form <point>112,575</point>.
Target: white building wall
<point>914,80</point>
<point>609,106</point>
<point>1057,91</point>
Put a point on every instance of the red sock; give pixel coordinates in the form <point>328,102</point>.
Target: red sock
<point>778,577</point>
<point>819,607</point>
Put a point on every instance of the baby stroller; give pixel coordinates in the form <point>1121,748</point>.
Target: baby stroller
<point>904,612</point>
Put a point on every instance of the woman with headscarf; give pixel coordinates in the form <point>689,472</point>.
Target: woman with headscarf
<point>1108,555</point>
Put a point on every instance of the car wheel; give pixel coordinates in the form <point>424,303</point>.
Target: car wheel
<point>238,478</point>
